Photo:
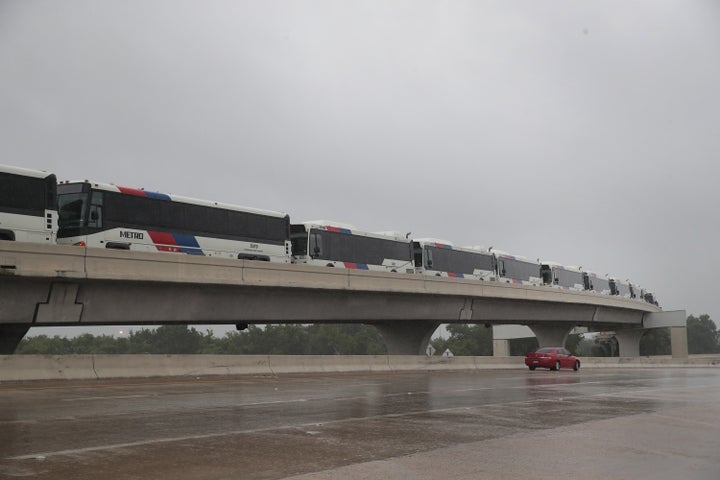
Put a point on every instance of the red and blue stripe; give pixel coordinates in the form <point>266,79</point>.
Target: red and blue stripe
<point>339,230</point>
<point>356,266</point>
<point>142,193</point>
<point>176,242</point>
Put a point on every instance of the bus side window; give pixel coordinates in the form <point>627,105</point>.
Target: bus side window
<point>429,258</point>
<point>96,207</point>
<point>95,216</point>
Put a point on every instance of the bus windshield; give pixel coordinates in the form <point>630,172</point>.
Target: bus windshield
<point>298,240</point>
<point>71,209</point>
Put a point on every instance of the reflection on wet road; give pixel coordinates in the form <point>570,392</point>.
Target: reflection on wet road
<point>269,428</point>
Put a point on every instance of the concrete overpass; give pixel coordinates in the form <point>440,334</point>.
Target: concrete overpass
<point>49,285</point>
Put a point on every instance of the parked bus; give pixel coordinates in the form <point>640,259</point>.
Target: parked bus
<point>597,284</point>
<point>28,211</point>
<point>442,259</point>
<point>650,298</point>
<point>637,292</point>
<point>340,245</point>
<point>620,288</point>
<point>567,278</point>
<point>517,270</point>
<point>99,215</point>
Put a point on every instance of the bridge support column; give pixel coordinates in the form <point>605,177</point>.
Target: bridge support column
<point>551,336</point>
<point>678,342</point>
<point>629,342</point>
<point>11,335</point>
<point>407,337</point>
<point>501,348</point>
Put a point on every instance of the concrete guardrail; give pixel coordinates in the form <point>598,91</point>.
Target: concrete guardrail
<point>93,367</point>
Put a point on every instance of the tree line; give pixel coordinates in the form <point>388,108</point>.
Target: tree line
<point>345,339</point>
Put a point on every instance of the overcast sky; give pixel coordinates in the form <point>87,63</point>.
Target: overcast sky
<point>582,132</point>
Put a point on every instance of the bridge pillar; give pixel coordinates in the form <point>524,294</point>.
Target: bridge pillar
<point>407,337</point>
<point>502,334</point>
<point>551,336</point>
<point>676,320</point>
<point>11,335</point>
<point>629,341</point>
<point>501,348</point>
<point>678,342</point>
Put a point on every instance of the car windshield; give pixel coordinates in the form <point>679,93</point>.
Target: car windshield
<point>544,350</point>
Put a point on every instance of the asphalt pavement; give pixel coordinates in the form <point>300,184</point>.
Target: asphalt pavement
<point>503,424</point>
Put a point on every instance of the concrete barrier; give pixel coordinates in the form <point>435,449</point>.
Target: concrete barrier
<point>46,367</point>
<point>660,361</point>
<point>91,367</point>
<point>127,366</point>
<point>289,364</point>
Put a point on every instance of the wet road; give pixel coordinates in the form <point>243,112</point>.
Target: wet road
<point>487,424</point>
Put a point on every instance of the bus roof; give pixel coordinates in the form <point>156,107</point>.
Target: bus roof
<point>478,248</point>
<point>174,198</point>
<point>26,172</point>
<point>350,230</point>
<point>558,265</point>
<point>503,254</point>
<point>328,223</point>
<point>438,242</point>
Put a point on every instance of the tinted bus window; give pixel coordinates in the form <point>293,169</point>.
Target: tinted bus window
<point>599,284</point>
<point>26,195</point>
<point>457,261</point>
<point>344,247</point>
<point>568,278</point>
<point>517,269</point>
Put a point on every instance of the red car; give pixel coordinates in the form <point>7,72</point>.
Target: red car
<point>553,358</point>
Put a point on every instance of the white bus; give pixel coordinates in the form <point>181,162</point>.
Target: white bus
<point>620,288</point>
<point>597,284</point>
<point>99,215</point>
<point>636,292</point>
<point>333,244</point>
<point>566,278</point>
<point>517,270</point>
<point>650,298</point>
<point>440,258</point>
<point>28,211</point>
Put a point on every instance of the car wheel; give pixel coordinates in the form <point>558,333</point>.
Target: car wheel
<point>531,367</point>
<point>557,365</point>
<point>576,367</point>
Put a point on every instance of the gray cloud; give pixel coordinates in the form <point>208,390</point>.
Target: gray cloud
<point>584,132</point>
